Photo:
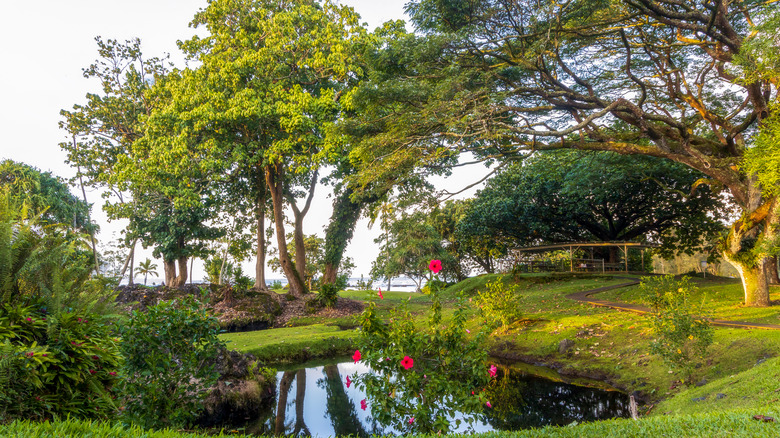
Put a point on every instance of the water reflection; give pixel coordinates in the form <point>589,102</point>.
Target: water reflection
<point>315,401</point>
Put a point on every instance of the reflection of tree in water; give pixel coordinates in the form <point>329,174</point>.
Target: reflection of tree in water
<point>339,408</point>
<point>521,402</point>
<point>281,405</point>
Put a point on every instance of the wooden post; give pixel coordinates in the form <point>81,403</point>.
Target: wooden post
<point>643,260</point>
<point>625,254</point>
<point>571,260</point>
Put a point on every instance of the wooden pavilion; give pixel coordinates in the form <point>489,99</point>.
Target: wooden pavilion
<point>591,264</point>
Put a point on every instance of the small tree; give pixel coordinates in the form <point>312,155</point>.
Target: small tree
<point>145,268</point>
<point>681,339</point>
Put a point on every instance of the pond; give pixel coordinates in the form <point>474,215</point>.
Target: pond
<point>314,400</point>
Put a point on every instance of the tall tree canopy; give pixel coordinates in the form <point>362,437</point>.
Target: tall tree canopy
<point>567,196</point>
<point>677,80</point>
<point>272,76</point>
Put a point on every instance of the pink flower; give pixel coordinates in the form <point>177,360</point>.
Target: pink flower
<point>31,354</point>
<point>363,404</point>
<point>435,266</point>
<point>380,294</point>
<point>349,382</point>
<point>29,319</point>
<point>411,420</point>
<point>112,373</point>
<point>356,357</point>
<point>407,362</point>
<point>492,371</point>
<point>468,331</point>
<point>488,404</point>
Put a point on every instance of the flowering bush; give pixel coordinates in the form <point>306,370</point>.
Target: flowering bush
<point>419,379</point>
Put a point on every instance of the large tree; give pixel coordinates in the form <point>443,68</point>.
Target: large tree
<point>108,151</point>
<point>566,196</point>
<point>272,76</point>
<point>650,77</point>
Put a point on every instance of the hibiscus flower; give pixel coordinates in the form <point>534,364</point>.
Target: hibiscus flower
<point>407,362</point>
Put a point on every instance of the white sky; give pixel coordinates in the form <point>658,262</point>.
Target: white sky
<point>45,44</point>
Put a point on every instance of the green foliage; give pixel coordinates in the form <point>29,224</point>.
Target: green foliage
<point>44,195</point>
<point>55,363</point>
<point>328,294</point>
<point>448,372</point>
<point>498,304</point>
<point>681,338</point>
<point>566,196</point>
<point>168,366</point>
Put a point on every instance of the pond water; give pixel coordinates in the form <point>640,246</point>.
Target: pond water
<point>315,401</point>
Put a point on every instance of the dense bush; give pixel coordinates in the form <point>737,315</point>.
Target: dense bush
<point>168,369</point>
<point>55,363</point>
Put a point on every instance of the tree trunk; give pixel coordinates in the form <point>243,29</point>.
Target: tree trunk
<point>749,233</point>
<point>181,279</point>
<point>774,278</point>
<point>170,271</point>
<point>339,232</point>
<point>273,178</point>
<point>298,239</point>
<point>131,278</point>
<point>260,253</point>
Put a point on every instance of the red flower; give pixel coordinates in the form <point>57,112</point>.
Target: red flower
<point>488,404</point>
<point>95,357</point>
<point>31,354</point>
<point>29,319</point>
<point>492,371</point>
<point>363,404</point>
<point>112,373</point>
<point>92,371</point>
<point>435,266</point>
<point>380,294</point>
<point>349,382</point>
<point>356,357</point>
<point>411,420</point>
<point>407,362</point>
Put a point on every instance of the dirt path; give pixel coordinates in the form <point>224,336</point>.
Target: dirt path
<point>587,297</point>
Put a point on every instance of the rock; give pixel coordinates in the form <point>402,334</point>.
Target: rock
<point>565,345</point>
<point>243,387</point>
<point>702,382</point>
<point>698,399</point>
<point>720,395</point>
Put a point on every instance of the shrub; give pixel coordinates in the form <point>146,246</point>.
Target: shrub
<point>498,304</point>
<point>419,378</point>
<point>328,294</point>
<point>55,364</point>
<point>681,339</point>
<point>169,352</point>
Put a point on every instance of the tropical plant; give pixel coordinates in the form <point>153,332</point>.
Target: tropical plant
<point>145,268</point>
